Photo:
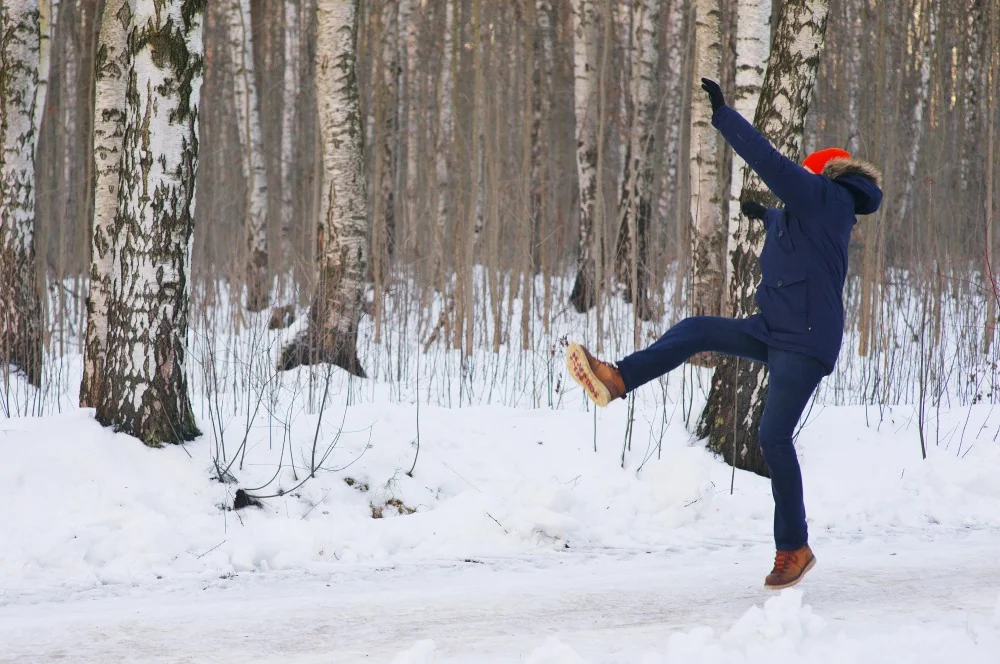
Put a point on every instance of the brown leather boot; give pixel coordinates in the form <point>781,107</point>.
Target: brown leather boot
<point>789,568</point>
<point>599,380</point>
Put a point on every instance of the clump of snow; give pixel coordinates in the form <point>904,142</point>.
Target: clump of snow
<point>554,651</point>
<point>780,629</point>
<point>422,652</point>
<point>784,621</point>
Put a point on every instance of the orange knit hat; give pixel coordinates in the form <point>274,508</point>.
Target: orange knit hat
<point>815,162</point>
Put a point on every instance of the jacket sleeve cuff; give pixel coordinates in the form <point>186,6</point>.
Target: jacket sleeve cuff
<point>717,115</point>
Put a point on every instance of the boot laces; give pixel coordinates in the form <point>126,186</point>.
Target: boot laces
<point>783,560</point>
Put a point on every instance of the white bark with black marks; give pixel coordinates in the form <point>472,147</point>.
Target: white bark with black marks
<point>585,72</point>
<point>707,230</point>
<point>753,41</point>
<point>112,67</point>
<point>144,392</point>
<point>332,330</point>
<point>20,307</point>
<point>636,202</point>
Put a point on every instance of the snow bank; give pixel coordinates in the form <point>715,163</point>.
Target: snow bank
<point>786,630</point>
<point>87,507</point>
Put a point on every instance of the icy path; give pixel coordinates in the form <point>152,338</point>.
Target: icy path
<point>907,599</point>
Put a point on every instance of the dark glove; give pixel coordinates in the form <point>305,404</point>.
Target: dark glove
<point>714,93</point>
<point>752,210</point>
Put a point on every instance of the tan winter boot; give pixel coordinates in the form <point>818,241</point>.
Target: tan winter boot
<point>599,380</point>
<point>789,568</point>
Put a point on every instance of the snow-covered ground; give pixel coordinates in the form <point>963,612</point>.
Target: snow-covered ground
<point>524,545</point>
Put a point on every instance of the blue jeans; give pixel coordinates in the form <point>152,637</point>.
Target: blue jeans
<point>793,378</point>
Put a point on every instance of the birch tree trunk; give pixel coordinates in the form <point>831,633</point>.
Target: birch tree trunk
<point>46,25</point>
<point>410,16</point>
<point>753,41</point>
<point>636,203</point>
<point>112,67</point>
<point>781,111</point>
<point>144,390</point>
<point>992,71</point>
<point>292,84</point>
<point>973,81</point>
<point>708,232</point>
<point>928,35</point>
<point>543,46</point>
<point>251,152</point>
<point>852,21</point>
<point>386,100</point>
<point>331,334</point>
<point>585,65</point>
<point>671,93</point>
<point>444,154</point>
<point>20,308</point>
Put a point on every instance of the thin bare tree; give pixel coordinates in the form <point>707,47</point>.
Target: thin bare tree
<point>252,164</point>
<point>290,121</point>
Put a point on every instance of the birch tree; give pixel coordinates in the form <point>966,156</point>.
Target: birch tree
<point>753,40</point>
<point>585,72</point>
<point>670,205</point>
<point>291,82</point>
<point>112,66</point>
<point>252,163</point>
<point>784,100</point>
<point>20,307</point>
<point>927,35</point>
<point>144,389</point>
<point>332,330</point>
<point>707,234</point>
<point>444,152</point>
<point>973,82</point>
<point>386,119</point>
<point>410,16</point>
<point>636,202</point>
<point>46,26</point>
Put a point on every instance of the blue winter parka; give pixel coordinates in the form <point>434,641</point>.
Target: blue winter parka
<point>804,259</point>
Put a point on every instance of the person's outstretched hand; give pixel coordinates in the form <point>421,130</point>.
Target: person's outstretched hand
<point>752,210</point>
<point>714,93</point>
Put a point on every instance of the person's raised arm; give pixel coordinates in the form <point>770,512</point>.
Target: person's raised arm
<point>790,182</point>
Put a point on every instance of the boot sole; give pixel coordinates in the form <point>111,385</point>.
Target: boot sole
<point>809,566</point>
<point>579,371</point>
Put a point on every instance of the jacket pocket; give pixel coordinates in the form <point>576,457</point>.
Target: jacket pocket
<point>784,302</point>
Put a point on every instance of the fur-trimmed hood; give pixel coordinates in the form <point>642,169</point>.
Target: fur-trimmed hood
<point>838,167</point>
<point>861,178</point>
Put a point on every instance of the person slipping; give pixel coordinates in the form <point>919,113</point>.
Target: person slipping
<point>798,330</point>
